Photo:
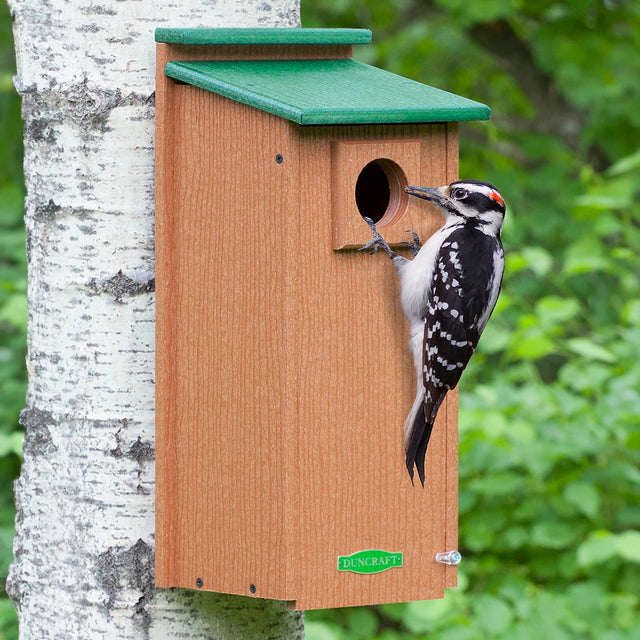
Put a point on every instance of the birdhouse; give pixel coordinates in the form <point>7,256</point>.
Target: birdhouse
<point>283,375</point>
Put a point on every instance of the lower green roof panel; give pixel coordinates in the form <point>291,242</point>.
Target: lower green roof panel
<point>312,92</point>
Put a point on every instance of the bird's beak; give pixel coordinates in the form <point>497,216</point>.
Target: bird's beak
<point>436,196</point>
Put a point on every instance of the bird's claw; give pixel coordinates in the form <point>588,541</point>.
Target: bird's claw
<point>415,245</point>
<point>377,242</point>
<point>373,245</point>
<point>371,223</point>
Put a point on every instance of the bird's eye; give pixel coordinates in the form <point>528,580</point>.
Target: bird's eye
<point>458,193</point>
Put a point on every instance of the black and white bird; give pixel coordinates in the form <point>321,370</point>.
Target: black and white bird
<point>447,292</point>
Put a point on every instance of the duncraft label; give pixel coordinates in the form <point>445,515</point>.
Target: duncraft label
<point>369,561</point>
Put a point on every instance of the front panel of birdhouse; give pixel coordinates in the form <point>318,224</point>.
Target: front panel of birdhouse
<point>283,375</point>
<point>357,384</point>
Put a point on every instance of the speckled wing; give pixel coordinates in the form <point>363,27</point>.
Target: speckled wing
<point>463,292</point>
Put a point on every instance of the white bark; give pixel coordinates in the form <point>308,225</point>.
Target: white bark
<point>85,498</point>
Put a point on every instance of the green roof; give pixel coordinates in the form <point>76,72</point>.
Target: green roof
<point>313,92</point>
<point>264,36</point>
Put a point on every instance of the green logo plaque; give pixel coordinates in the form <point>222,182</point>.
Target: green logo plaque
<point>369,561</point>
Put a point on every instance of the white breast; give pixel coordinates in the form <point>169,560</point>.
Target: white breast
<point>415,278</point>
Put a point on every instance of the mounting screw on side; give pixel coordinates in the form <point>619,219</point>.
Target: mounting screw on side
<point>279,158</point>
<point>449,557</point>
<point>199,582</point>
<point>252,588</point>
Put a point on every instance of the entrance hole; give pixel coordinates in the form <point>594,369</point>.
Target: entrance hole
<point>380,192</point>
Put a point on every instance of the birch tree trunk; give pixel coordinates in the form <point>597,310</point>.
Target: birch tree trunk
<point>84,550</point>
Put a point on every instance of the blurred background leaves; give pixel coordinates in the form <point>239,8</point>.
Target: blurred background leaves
<point>550,405</point>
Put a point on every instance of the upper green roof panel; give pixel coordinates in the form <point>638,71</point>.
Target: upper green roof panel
<point>264,36</point>
<point>315,92</point>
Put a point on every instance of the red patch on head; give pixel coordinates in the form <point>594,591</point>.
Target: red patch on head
<point>494,195</point>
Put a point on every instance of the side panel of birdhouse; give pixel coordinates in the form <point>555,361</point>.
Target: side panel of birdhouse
<point>356,383</point>
<point>224,386</point>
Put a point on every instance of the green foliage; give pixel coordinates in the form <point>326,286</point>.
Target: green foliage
<point>550,405</point>
<point>549,423</point>
<point>13,309</point>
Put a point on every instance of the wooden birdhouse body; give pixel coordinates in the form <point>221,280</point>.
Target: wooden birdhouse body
<point>283,377</point>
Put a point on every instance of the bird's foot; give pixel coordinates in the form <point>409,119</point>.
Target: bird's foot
<point>377,242</point>
<point>415,245</point>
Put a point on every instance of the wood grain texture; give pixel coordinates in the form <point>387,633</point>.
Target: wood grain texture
<point>283,378</point>
<point>225,334</point>
<point>169,51</point>
<point>353,491</point>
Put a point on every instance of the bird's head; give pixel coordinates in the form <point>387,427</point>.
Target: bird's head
<point>478,202</point>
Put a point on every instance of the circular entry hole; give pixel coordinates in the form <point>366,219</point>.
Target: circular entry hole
<point>380,192</point>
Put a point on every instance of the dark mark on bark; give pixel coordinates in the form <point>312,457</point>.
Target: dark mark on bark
<point>141,451</point>
<point>51,212</point>
<point>89,28</point>
<point>121,286</point>
<point>119,568</point>
<point>28,244</point>
<point>40,129</point>
<point>46,212</point>
<point>117,452</point>
<point>113,40</point>
<point>37,439</point>
<point>88,108</point>
<point>98,10</point>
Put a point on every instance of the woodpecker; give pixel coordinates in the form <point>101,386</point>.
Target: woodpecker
<point>447,293</point>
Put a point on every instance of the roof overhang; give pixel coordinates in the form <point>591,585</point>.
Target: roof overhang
<point>315,91</point>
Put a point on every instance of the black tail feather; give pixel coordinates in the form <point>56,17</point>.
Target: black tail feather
<point>422,451</point>
<point>417,446</point>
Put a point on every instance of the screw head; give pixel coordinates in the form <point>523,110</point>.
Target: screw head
<point>279,158</point>
<point>199,582</point>
<point>252,588</point>
<point>449,557</point>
